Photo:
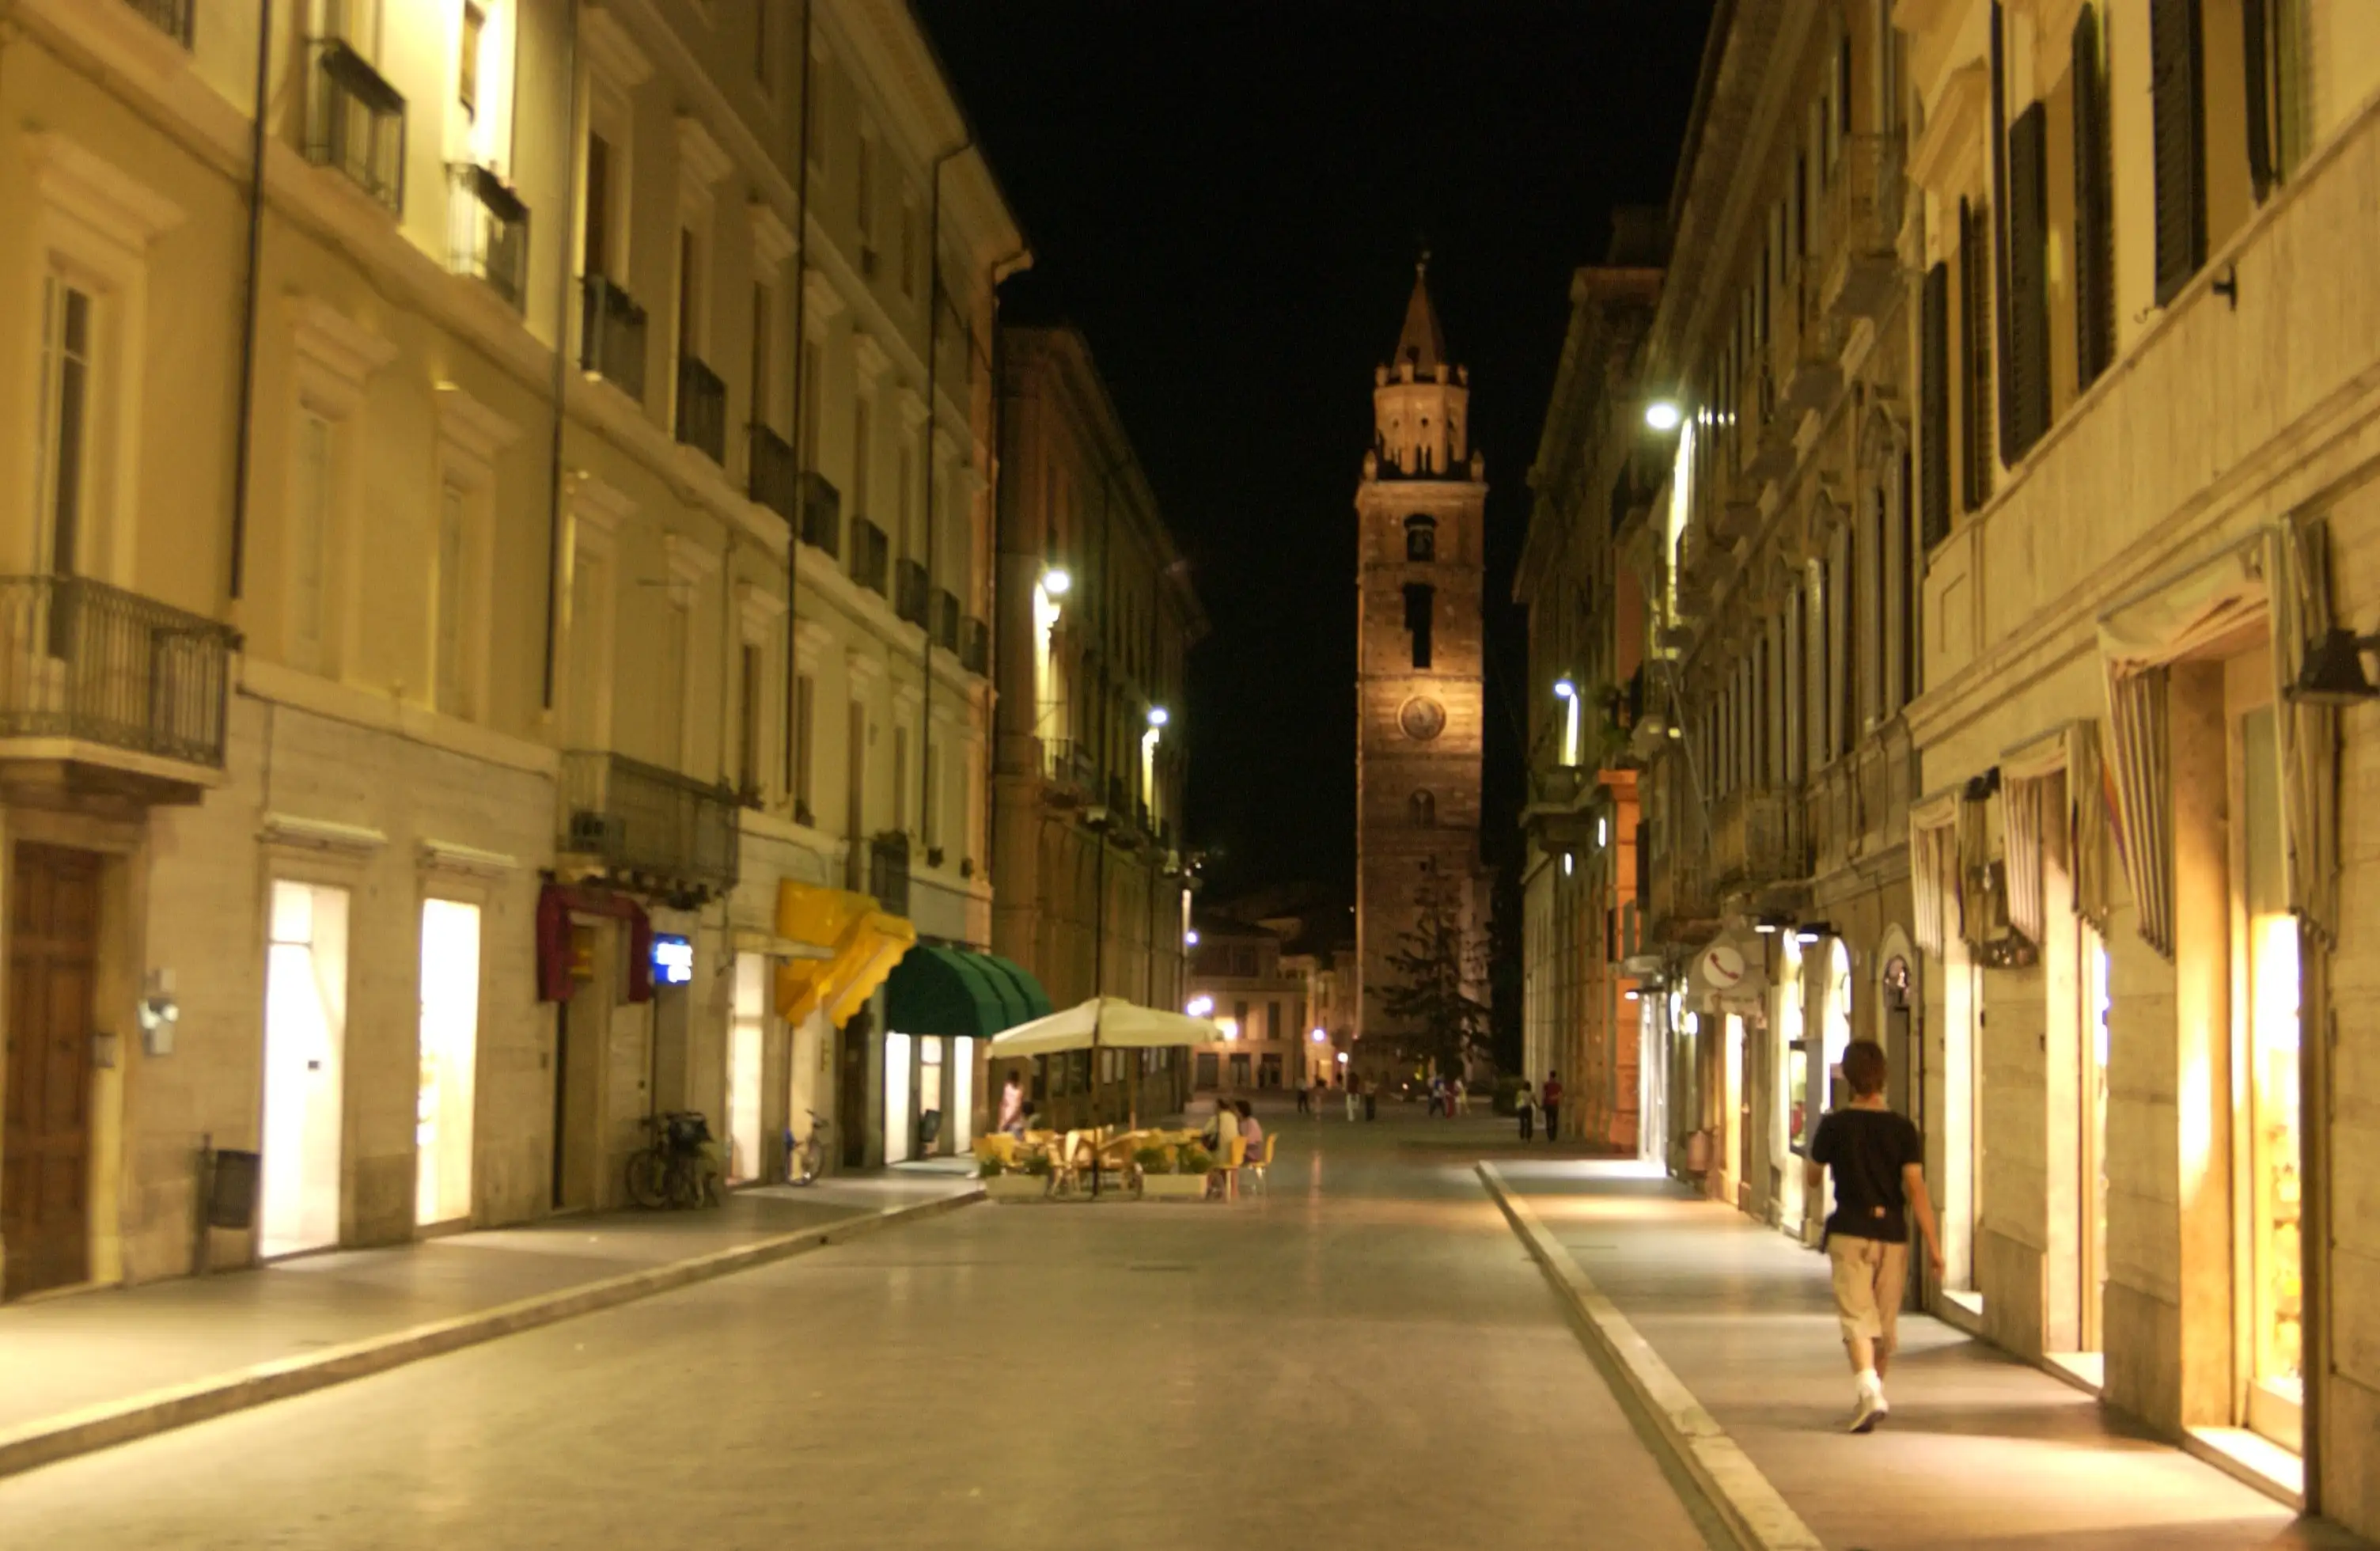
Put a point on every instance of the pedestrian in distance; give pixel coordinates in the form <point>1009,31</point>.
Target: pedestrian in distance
<point>1437,1096</point>
<point>1879,1166</point>
<point>1549,1100</point>
<point>1461,1096</point>
<point>1354,1087</point>
<point>1524,1107</point>
<point>1012,1104</point>
<point>1305,1099</point>
<point>1371,1101</point>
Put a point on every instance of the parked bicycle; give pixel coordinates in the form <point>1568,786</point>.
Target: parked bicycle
<point>680,1167</point>
<point>806,1159</point>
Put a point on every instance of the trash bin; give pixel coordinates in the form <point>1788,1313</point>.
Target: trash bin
<point>231,1192</point>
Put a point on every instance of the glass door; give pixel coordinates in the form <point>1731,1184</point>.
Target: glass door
<point>2268,1295</point>
<point>2093,1157</point>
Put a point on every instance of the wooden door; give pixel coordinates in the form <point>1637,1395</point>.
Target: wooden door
<point>46,1133</point>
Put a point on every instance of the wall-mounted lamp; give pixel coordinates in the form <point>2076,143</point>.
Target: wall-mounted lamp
<point>1566,688</point>
<point>1809,934</point>
<point>1321,1036</point>
<point>1631,995</point>
<point>1664,414</point>
<point>1200,1006</point>
<point>1190,937</point>
<point>1768,926</point>
<point>1159,716</point>
<point>2332,673</point>
<point>1569,864</point>
<point>1056,582</point>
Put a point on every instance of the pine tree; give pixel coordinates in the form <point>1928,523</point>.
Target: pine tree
<point>1444,1024</point>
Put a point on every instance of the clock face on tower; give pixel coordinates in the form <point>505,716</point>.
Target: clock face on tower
<point>1422,719</point>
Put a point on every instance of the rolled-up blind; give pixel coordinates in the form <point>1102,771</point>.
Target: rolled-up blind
<point>2141,758</point>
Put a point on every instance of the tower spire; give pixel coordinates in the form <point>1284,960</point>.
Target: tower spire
<point>1422,342</point>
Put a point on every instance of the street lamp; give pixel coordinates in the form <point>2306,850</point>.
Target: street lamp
<point>1190,937</point>
<point>1200,1006</point>
<point>1664,414</point>
<point>1566,691</point>
<point>1159,716</point>
<point>1056,582</point>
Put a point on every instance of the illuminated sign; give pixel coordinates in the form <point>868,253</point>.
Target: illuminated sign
<point>672,960</point>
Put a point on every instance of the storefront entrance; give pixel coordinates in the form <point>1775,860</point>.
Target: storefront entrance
<point>305,1048</point>
<point>450,1059</point>
<point>46,1133</point>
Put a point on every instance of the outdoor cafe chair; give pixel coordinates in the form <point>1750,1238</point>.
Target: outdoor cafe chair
<point>1262,1161</point>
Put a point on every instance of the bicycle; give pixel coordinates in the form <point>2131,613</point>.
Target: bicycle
<point>677,1169</point>
<point>806,1159</point>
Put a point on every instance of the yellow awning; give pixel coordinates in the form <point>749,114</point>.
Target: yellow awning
<point>866,942</point>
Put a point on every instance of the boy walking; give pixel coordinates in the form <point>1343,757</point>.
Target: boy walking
<point>1879,1165</point>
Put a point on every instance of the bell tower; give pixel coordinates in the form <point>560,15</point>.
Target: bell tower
<point>1419,509</point>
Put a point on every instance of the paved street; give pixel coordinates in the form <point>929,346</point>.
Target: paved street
<point>1366,1359</point>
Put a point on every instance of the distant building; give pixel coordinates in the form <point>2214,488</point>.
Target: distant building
<point>1419,508</point>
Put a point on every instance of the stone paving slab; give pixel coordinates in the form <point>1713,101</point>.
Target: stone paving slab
<point>67,1355</point>
<point>1981,1451</point>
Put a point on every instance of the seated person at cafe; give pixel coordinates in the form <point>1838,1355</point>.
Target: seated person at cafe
<point>1225,1127</point>
<point>1251,1131</point>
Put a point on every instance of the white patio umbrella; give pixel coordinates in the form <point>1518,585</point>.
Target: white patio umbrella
<point>1099,1024</point>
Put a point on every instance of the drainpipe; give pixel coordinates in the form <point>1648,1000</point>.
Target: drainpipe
<point>933,420</point>
<point>995,364</point>
<point>239,453</point>
<point>802,451</point>
<point>561,358</point>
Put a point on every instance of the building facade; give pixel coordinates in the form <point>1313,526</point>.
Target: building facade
<point>2004,707</point>
<point>1420,509</point>
<point>1097,618</point>
<point>1584,957</point>
<point>449,688</point>
<point>1262,997</point>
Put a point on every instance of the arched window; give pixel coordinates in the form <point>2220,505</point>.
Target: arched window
<point>1421,538</point>
<point>1424,810</point>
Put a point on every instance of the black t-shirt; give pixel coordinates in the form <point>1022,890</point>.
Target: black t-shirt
<point>1868,1149</point>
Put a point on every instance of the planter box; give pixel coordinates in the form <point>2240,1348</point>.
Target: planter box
<point>1172,1187</point>
<point>1016,1187</point>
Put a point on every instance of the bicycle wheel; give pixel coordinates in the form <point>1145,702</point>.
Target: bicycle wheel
<point>648,1178</point>
<point>810,1161</point>
<point>685,1182</point>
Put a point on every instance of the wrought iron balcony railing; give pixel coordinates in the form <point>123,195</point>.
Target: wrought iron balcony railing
<point>1758,836</point>
<point>946,619</point>
<point>488,236</point>
<point>81,659</point>
<point>355,122</point>
<point>612,336</point>
<point>173,17</point>
<point>871,557</point>
<point>974,646</point>
<point>645,823</point>
<point>773,480</point>
<point>911,599</point>
<point>821,513</point>
<point>1067,763</point>
<point>702,410</point>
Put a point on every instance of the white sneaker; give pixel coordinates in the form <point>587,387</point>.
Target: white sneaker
<point>1870,1410</point>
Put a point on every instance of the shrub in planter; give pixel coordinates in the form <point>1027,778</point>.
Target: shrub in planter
<point>1154,1160</point>
<point>1195,1159</point>
<point>989,1167</point>
<point>1039,1165</point>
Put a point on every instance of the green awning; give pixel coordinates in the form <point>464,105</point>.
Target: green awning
<point>959,995</point>
<point>1033,1000</point>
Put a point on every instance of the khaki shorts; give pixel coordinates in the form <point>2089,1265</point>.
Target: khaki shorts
<point>1870,1278</point>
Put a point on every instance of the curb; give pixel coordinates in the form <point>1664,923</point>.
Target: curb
<point>1753,1509</point>
<point>110,1423</point>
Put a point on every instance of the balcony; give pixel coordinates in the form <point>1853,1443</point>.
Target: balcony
<point>488,237</point>
<point>1759,836</point>
<point>355,122</point>
<point>871,557</point>
<point>773,478</point>
<point>702,410</point>
<point>1861,273</point>
<point>1069,769</point>
<point>612,336</point>
<point>1558,816</point>
<point>911,599</point>
<point>974,646</point>
<point>946,619</point>
<point>104,680</point>
<point>881,869</point>
<point>173,17</point>
<point>822,514</point>
<point>652,828</point>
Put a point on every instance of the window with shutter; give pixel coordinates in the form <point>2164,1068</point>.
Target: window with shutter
<point>2094,230</point>
<point>2256,54</point>
<point>1934,389</point>
<point>2175,68</point>
<point>1975,355</point>
<point>2027,368</point>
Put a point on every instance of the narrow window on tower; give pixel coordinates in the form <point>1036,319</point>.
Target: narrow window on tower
<point>1421,539</point>
<point>1420,597</point>
<point>1424,809</point>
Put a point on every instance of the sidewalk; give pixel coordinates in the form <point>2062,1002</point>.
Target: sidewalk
<point>70,1359</point>
<point>1981,1449</point>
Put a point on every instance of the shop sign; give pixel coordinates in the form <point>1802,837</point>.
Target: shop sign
<point>672,960</point>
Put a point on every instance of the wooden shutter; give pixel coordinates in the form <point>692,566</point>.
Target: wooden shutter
<point>2095,228</point>
<point>2256,59</point>
<point>1974,353</point>
<point>2012,442</point>
<point>2025,401</point>
<point>2175,68</point>
<point>1934,389</point>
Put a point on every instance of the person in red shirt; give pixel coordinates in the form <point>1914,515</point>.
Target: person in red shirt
<point>1549,1100</point>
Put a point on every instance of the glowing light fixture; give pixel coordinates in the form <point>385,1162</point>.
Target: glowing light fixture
<point>1056,582</point>
<point>1200,1006</point>
<point>1568,863</point>
<point>1321,1036</point>
<point>1343,1057</point>
<point>1602,831</point>
<point>1663,415</point>
<point>1159,716</point>
<point>1566,687</point>
<point>1190,937</point>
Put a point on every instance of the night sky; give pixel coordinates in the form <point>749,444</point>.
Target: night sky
<point>1228,198</point>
